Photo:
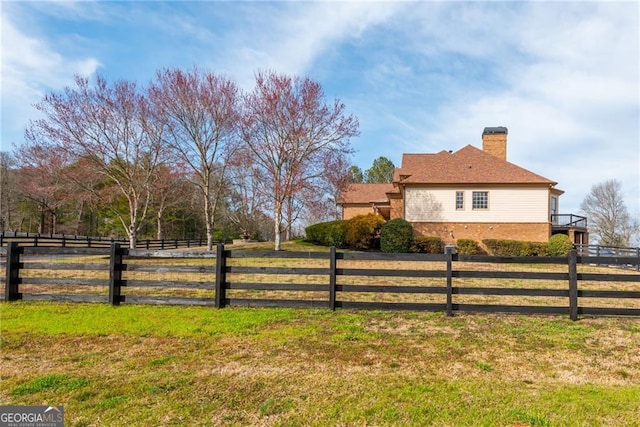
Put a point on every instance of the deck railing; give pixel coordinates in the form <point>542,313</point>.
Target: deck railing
<point>568,220</point>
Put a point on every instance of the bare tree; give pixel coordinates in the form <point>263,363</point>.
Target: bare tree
<point>608,218</point>
<point>167,192</point>
<point>106,124</point>
<point>247,195</point>
<point>339,175</point>
<point>200,112</point>
<point>7,191</point>
<point>79,176</point>
<point>42,181</point>
<point>289,128</point>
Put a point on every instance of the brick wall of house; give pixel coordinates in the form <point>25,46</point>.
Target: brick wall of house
<point>397,208</point>
<point>451,232</point>
<point>349,212</point>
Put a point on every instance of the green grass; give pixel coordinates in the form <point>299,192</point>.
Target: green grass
<point>55,382</point>
<point>145,365</point>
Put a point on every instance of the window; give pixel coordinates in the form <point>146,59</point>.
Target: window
<point>459,200</point>
<point>480,200</point>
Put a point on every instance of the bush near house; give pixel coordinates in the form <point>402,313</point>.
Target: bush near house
<point>331,233</point>
<point>316,233</point>
<point>362,231</point>
<point>427,245</point>
<point>396,236</point>
<point>468,247</point>
<point>500,247</point>
<point>560,245</point>
<point>535,249</point>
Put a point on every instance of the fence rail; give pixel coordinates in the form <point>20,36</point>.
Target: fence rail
<point>608,251</point>
<point>66,240</point>
<point>447,282</point>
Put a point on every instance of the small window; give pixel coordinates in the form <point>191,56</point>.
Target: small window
<point>480,200</point>
<point>459,200</point>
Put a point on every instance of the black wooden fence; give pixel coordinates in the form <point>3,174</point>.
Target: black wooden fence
<point>608,251</point>
<point>68,240</point>
<point>349,280</point>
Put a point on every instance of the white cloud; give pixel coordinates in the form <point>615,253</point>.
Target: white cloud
<point>30,68</point>
<point>291,37</point>
<point>565,83</point>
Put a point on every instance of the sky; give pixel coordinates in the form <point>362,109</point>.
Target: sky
<point>421,77</point>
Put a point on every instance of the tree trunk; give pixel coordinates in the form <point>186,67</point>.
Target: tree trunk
<point>278,224</point>
<point>133,236</point>
<point>159,225</point>
<point>76,227</point>
<point>208,222</point>
<point>41,222</point>
<point>54,222</point>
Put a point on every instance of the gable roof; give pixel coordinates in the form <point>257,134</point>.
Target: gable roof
<point>469,165</point>
<point>366,193</point>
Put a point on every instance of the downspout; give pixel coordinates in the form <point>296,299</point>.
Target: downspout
<point>404,203</point>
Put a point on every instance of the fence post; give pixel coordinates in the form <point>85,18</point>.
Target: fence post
<point>449,254</point>
<point>11,291</point>
<point>115,274</point>
<point>573,284</point>
<point>332,278</point>
<point>221,276</point>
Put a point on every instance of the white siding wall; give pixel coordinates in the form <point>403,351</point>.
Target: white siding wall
<point>505,205</point>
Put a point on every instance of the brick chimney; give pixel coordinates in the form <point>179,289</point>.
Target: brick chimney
<point>494,141</point>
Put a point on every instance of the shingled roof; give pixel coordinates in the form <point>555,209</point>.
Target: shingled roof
<point>469,165</point>
<point>366,193</point>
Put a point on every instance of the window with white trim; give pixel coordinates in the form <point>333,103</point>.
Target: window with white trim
<point>459,200</point>
<point>480,200</point>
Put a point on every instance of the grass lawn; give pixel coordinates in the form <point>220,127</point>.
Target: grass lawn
<point>161,365</point>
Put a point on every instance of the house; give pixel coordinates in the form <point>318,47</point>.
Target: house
<point>471,193</point>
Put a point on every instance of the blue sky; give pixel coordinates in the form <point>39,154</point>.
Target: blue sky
<point>563,77</point>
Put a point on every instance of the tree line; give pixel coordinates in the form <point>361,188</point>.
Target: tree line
<point>186,152</point>
<point>190,151</point>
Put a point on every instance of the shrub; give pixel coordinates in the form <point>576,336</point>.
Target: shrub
<point>499,247</point>
<point>396,236</point>
<point>362,231</point>
<point>316,233</point>
<point>559,245</point>
<point>534,249</point>
<point>468,247</point>
<point>427,245</point>
<point>331,233</point>
<point>337,234</point>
